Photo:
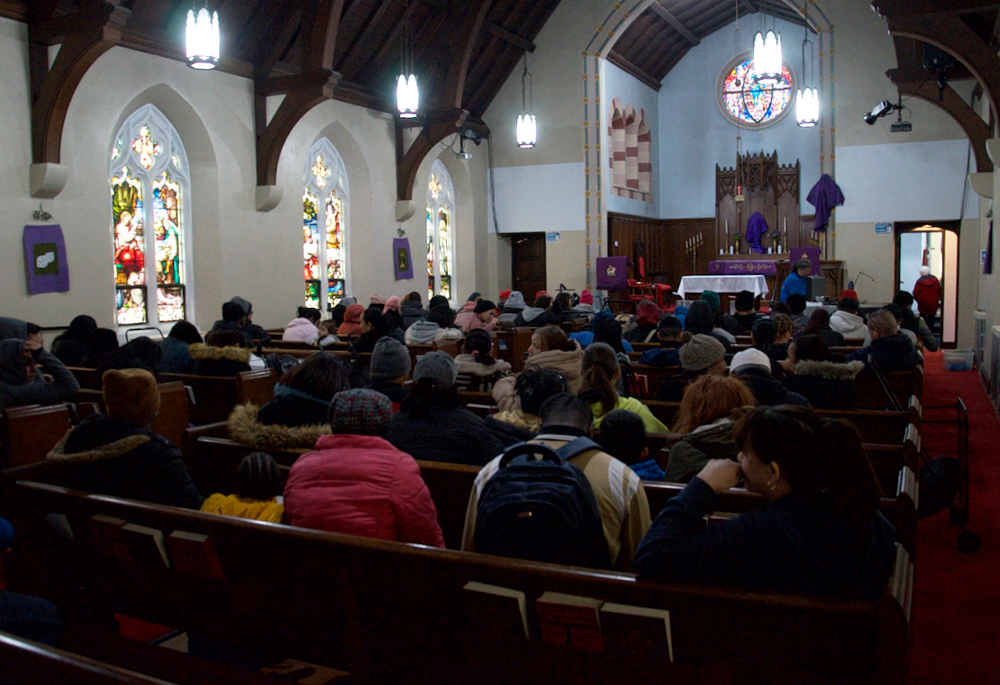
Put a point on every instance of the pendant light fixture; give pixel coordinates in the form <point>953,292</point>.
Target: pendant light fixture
<point>767,58</point>
<point>807,97</point>
<point>202,38</point>
<point>527,129</point>
<point>407,93</point>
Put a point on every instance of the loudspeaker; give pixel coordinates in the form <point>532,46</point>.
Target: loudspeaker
<point>815,287</point>
<point>937,59</point>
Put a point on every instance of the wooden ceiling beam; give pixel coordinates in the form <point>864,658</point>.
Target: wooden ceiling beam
<point>438,127</point>
<point>366,35</point>
<point>674,22</point>
<point>462,43</point>
<point>629,68</point>
<point>910,7</point>
<point>977,130</point>
<point>508,37</point>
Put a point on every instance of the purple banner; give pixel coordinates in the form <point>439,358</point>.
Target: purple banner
<point>611,273</point>
<point>741,267</point>
<point>401,258</point>
<point>45,259</point>
<point>810,252</point>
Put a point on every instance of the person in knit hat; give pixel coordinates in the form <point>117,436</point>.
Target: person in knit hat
<point>702,355</point>
<point>483,317</point>
<point>504,294</point>
<point>377,301</point>
<point>357,483</point>
<point>117,454</point>
<point>392,304</point>
<point>389,369</point>
<point>647,317</point>
<point>584,309</point>
<point>252,329</point>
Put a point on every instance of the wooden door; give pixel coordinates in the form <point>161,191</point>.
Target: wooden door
<point>528,264</point>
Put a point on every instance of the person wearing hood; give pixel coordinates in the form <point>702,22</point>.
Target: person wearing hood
<point>303,328</point>
<point>671,337</point>
<point>814,373</point>
<point>352,321</point>
<point>550,349</point>
<point>234,318</point>
<point>512,307</point>
<point>914,323</point>
<point>537,316</point>
<point>724,323</point>
<point>71,347</point>
<point>258,334</point>
<point>477,370</point>
<point>222,354</point>
<point>22,382</point>
<point>176,356</point>
<point>647,318</point>
<point>927,293</point>
<point>483,318</point>
<point>467,310</point>
<point>411,309</point>
<point>846,320</point>
<point>117,454</point>
<point>753,368</point>
<point>437,327</point>
<point>891,350</point>
<point>297,415</point>
<point>820,533</point>
<point>15,328</point>
<point>584,309</point>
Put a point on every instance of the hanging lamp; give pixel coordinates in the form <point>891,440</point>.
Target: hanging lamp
<point>407,93</point>
<point>527,129</point>
<point>807,97</point>
<point>202,39</point>
<point>767,57</point>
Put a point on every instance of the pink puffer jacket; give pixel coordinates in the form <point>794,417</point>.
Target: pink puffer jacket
<point>361,485</point>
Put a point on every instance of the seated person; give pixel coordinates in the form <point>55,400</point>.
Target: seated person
<point>140,353</point>
<point>726,325</point>
<point>745,314</point>
<point>795,282</point>
<point>389,369</point>
<point>411,309</point>
<point>303,328</point>
<point>439,326</point>
<point>671,337</point>
<point>538,315</point>
<point>890,349</point>
<point>706,418</point>
<point>175,356</point>
<point>117,454</point>
<point>623,436</point>
<point>357,483</point>
<point>483,317</point>
<point>234,318</point>
<point>797,304</point>
<point>700,321</point>
<point>22,382</point>
<point>603,329</point>
<point>101,344</point>
<point>584,309</point>
<point>374,326</point>
<point>819,324</point>
<point>222,354</point>
<point>477,370</point>
<point>22,330</point>
<point>848,322</point>
<point>826,381</point>
<point>550,349</point>
<point>70,347</point>
<point>764,337</point>
<point>647,317</point>
<point>395,319</point>
<point>431,425</point>
<point>620,497</point>
<point>259,483</point>
<point>820,533</point>
<point>465,313</point>
<point>32,618</point>
<point>913,323</point>
<point>256,333</point>
<point>753,368</point>
<point>532,388</point>
<point>297,415</point>
<point>702,355</point>
<point>512,308</point>
<point>599,374</point>
<point>351,325</point>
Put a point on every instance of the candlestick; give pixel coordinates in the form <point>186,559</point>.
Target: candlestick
<point>727,228</point>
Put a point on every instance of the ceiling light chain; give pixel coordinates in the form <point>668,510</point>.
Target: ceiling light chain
<point>202,38</point>
<point>527,128</point>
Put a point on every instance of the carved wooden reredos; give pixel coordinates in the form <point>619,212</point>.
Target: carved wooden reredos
<point>768,188</point>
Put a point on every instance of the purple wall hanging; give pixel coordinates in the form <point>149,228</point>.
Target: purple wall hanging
<point>45,259</point>
<point>401,258</point>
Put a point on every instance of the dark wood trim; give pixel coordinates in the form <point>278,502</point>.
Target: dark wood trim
<point>629,68</point>
<point>462,44</point>
<point>13,9</point>
<point>508,37</point>
<point>898,7</point>
<point>674,22</point>
<point>408,161</point>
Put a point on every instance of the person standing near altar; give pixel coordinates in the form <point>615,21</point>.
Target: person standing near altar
<point>795,283</point>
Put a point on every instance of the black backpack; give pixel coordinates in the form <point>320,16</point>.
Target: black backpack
<point>542,509</point>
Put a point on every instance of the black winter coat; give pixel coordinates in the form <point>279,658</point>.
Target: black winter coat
<point>827,385</point>
<point>122,459</point>
<point>891,353</point>
<point>767,390</point>
<point>451,435</point>
<point>294,408</point>
<point>411,312</point>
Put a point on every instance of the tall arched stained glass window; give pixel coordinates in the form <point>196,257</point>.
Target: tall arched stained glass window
<point>324,229</point>
<point>150,187</point>
<point>440,232</point>
<point>741,96</point>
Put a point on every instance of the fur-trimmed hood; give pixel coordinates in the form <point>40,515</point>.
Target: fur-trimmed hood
<point>112,450</point>
<point>829,370</point>
<point>202,351</point>
<point>245,429</point>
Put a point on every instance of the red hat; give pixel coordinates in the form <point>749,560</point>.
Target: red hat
<point>540,293</point>
<point>504,294</point>
<point>848,294</point>
<point>586,297</point>
<point>391,303</point>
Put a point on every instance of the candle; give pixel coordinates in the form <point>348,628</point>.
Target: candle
<point>786,224</point>
<point>727,227</point>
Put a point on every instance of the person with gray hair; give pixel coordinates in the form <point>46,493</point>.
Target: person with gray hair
<point>890,349</point>
<point>795,282</point>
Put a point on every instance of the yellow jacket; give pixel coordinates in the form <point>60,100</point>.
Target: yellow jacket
<point>232,505</point>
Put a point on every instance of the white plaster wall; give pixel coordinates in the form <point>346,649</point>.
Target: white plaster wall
<point>540,198</point>
<point>619,84</point>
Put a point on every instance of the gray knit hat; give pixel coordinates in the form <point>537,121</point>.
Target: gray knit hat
<point>438,367</point>
<point>701,353</point>
<point>390,359</point>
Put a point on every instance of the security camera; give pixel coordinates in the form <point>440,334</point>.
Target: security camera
<point>879,110</point>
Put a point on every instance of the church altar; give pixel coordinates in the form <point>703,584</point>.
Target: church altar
<point>756,284</point>
<point>742,266</point>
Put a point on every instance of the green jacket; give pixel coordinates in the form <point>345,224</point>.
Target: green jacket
<point>694,450</point>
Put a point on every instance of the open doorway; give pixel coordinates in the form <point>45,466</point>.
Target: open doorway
<point>934,245</point>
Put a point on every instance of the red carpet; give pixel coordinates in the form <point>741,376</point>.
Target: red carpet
<point>956,603</point>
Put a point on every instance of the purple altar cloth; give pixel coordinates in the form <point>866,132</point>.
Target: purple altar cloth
<point>741,267</point>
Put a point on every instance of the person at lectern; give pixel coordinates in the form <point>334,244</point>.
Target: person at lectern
<point>796,280</point>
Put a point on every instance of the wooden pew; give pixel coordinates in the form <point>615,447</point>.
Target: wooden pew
<point>652,377</point>
<point>215,396</point>
<point>392,613</point>
<point>28,433</point>
<point>512,345</point>
<point>903,384</point>
<point>88,379</point>
<point>172,419</point>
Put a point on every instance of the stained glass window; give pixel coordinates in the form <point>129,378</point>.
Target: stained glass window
<point>440,233</point>
<point>148,187</point>
<point>324,203</point>
<point>753,103</point>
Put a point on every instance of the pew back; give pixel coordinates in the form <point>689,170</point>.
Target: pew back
<point>28,433</point>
